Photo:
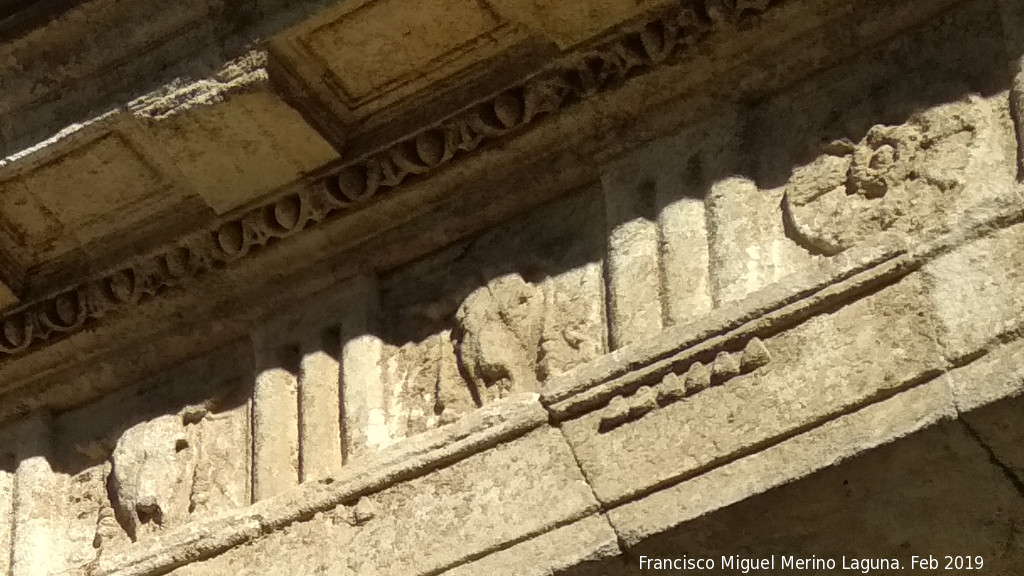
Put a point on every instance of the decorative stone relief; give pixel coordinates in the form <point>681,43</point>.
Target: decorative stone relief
<point>675,386</point>
<point>498,336</point>
<point>152,467</point>
<point>487,318</point>
<point>127,481</point>
<point>896,177</point>
<point>164,471</point>
<point>509,337</point>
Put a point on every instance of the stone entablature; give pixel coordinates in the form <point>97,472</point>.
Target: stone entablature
<point>222,244</point>
<point>705,301</point>
<point>548,89</point>
<point>186,498</point>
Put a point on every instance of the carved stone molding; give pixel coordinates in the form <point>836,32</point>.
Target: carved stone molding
<point>574,78</point>
<point>676,387</point>
<point>723,344</point>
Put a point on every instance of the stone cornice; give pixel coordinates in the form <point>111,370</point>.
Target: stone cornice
<point>343,188</point>
<point>718,340</point>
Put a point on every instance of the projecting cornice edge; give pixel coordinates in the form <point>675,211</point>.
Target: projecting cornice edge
<point>346,186</point>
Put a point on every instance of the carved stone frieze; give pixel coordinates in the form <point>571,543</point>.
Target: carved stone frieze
<point>512,335</point>
<point>156,456</point>
<point>575,77</point>
<point>164,472</point>
<point>152,467</point>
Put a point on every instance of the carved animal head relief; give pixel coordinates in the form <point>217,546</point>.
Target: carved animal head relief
<point>897,177</point>
<point>152,467</point>
<point>498,336</point>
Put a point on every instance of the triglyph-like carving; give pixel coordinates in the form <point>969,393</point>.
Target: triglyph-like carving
<point>499,336</point>
<point>896,177</point>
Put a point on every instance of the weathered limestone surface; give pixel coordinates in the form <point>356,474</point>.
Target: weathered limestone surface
<point>1013,16</point>
<point>789,460</point>
<point>801,383</point>
<point>976,292</point>
<point>35,514</point>
<point>500,314</point>
<point>846,511</point>
<point>6,510</point>
<point>579,547</point>
<point>183,155</point>
<point>506,420</point>
<point>457,287</point>
<point>429,524</point>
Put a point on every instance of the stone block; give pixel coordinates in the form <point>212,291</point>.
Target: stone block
<point>935,493</point>
<point>574,546</point>
<point>432,523</point>
<point>35,512</point>
<point>826,365</point>
<point>990,395</point>
<point>997,426</point>
<point>361,58</point>
<point>935,141</point>
<point>747,240</point>
<point>59,198</point>
<point>996,375</point>
<point>503,313</point>
<point>976,292</point>
<point>656,215</point>
<point>161,454</point>
<point>799,457</point>
<point>319,376</point>
<point>416,458</point>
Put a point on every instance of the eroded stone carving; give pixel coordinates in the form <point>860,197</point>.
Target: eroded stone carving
<point>512,335</point>
<point>499,335</point>
<point>505,311</point>
<point>895,178</point>
<point>161,473</point>
<point>152,469</point>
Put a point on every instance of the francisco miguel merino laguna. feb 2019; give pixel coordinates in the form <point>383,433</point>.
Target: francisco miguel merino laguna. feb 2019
<point>747,564</point>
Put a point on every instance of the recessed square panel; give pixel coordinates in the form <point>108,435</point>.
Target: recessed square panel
<point>101,185</point>
<point>385,43</point>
